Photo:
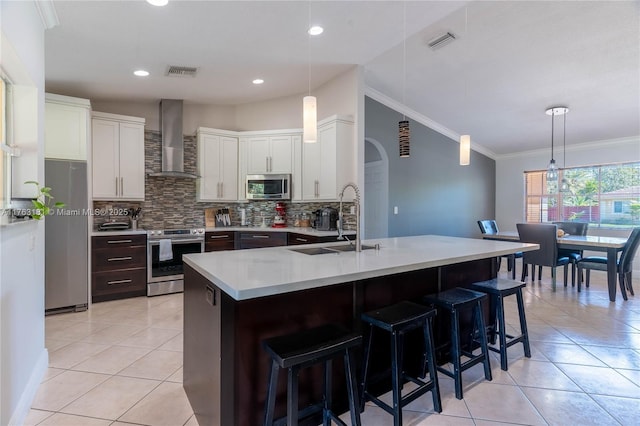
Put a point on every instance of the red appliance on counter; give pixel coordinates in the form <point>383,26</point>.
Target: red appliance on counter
<point>280,221</point>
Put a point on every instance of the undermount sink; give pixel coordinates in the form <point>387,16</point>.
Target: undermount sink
<point>330,249</point>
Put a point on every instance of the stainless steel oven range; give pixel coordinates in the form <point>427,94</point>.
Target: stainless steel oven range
<point>165,248</point>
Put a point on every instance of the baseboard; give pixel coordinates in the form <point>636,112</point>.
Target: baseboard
<point>26,399</point>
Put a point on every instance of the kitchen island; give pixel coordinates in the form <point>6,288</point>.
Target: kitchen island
<point>235,299</point>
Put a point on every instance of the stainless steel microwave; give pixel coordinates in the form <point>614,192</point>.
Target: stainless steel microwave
<point>268,187</point>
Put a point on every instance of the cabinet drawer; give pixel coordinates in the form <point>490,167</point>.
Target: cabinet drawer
<point>296,239</point>
<point>118,241</point>
<point>262,239</point>
<point>118,284</point>
<point>118,258</point>
<point>217,241</point>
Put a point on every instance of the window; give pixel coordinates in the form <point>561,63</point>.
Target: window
<point>603,196</point>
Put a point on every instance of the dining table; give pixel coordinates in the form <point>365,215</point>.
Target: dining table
<point>610,245</point>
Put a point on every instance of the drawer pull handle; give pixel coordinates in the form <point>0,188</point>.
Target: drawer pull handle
<point>259,236</point>
<point>116,259</point>
<point>214,237</point>
<point>301,239</point>
<point>119,282</point>
<point>119,241</point>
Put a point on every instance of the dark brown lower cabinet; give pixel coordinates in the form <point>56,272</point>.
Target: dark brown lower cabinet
<point>118,267</point>
<point>219,240</point>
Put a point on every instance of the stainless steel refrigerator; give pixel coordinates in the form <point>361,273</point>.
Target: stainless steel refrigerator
<point>66,237</point>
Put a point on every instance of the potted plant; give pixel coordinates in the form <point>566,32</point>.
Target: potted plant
<point>42,203</point>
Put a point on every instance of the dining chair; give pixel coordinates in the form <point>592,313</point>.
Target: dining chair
<point>624,265</point>
<point>490,227</point>
<point>572,228</point>
<point>545,235</point>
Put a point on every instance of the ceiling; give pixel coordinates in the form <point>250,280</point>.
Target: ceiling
<point>510,61</point>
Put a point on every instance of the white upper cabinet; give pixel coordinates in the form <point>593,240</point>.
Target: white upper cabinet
<point>217,166</point>
<point>269,154</point>
<point>118,157</point>
<point>329,164</point>
<point>66,131</point>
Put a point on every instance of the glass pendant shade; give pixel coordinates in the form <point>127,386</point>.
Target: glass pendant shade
<point>465,150</point>
<point>552,171</point>
<point>404,138</point>
<point>564,186</point>
<point>309,119</point>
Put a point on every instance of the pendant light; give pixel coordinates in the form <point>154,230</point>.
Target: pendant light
<point>564,185</point>
<point>309,103</point>
<point>404,133</point>
<point>552,169</point>
<point>465,150</point>
<point>465,140</point>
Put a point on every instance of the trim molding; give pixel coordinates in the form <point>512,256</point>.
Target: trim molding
<point>574,147</point>
<point>424,120</point>
<point>48,13</point>
<point>26,399</point>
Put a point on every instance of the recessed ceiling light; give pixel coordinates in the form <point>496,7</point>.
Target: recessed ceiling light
<point>315,30</point>
<point>158,2</point>
<point>258,81</point>
<point>141,73</point>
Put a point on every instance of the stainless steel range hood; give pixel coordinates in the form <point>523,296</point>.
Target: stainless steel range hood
<point>172,140</point>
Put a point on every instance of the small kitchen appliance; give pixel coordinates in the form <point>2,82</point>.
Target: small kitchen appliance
<point>280,221</point>
<point>325,219</point>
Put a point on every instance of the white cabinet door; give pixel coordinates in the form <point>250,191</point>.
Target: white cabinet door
<point>229,169</point>
<point>105,154</point>
<point>118,158</point>
<point>66,131</point>
<point>208,167</point>
<point>269,154</point>
<point>131,161</point>
<point>217,167</point>
<point>281,154</point>
<point>329,163</point>
<point>258,152</point>
<point>319,166</point>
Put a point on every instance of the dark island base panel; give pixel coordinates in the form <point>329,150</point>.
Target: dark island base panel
<point>232,391</point>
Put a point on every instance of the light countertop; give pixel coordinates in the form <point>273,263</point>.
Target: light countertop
<point>294,229</point>
<point>247,274</point>
<point>122,232</point>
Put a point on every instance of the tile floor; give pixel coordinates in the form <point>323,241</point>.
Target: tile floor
<point>121,363</point>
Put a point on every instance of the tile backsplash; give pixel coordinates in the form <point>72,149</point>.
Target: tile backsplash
<point>170,203</point>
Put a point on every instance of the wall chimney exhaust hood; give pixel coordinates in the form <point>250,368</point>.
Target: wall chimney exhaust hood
<point>172,140</point>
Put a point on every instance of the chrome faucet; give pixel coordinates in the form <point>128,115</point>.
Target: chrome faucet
<point>341,235</point>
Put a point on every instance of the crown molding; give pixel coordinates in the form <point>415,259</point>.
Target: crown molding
<point>423,119</point>
<point>574,147</point>
<point>48,13</point>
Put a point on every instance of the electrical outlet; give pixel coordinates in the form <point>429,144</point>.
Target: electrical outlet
<point>395,209</point>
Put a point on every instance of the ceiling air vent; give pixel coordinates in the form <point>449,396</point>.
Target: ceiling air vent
<point>441,41</point>
<point>178,71</point>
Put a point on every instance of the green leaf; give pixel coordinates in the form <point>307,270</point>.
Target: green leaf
<point>59,205</point>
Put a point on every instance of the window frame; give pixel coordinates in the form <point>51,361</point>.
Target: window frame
<point>543,203</point>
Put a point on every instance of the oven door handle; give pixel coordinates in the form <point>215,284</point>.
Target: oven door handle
<point>181,241</point>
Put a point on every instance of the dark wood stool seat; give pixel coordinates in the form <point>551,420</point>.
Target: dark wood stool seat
<point>454,301</point>
<point>303,349</point>
<point>398,319</point>
<point>498,289</point>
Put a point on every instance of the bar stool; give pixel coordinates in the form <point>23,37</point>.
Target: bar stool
<point>498,289</point>
<point>398,319</point>
<point>303,349</point>
<point>454,301</point>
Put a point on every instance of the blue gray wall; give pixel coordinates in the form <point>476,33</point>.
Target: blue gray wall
<point>434,194</point>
